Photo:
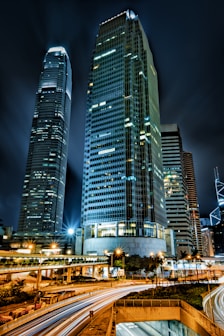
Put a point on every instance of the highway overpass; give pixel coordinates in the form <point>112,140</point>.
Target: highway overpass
<point>12,262</point>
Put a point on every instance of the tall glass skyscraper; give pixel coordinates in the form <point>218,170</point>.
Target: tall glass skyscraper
<point>193,201</point>
<point>123,203</point>
<point>177,201</point>
<point>44,183</point>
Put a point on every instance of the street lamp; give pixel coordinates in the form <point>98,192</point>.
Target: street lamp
<point>53,246</point>
<point>70,233</point>
<point>30,247</point>
<point>39,271</point>
<point>196,262</point>
<point>161,261</point>
<point>189,259</point>
<point>119,255</point>
<point>209,265</point>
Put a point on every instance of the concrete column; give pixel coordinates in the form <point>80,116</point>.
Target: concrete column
<point>117,229</point>
<point>39,278</point>
<point>94,268</point>
<point>51,273</point>
<point>83,268</point>
<point>69,273</point>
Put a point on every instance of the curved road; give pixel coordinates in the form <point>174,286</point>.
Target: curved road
<point>64,321</point>
<point>213,305</point>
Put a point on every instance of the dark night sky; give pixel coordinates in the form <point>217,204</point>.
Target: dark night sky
<point>187,41</point>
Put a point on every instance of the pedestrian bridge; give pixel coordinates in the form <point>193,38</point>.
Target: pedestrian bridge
<point>137,310</point>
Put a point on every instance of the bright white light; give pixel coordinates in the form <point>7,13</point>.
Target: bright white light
<point>105,151</point>
<point>71,231</point>
<point>57,49</point>
<point>105,54</point>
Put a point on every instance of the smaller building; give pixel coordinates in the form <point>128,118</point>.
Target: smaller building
<point>176,193</point>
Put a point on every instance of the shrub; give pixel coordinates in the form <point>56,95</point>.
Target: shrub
<point>192,294</point>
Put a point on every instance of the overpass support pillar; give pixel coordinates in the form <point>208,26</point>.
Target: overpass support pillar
<point>39,278</point>
<point>69,274</point>
<point>83,270</point>
<point>51,273</point>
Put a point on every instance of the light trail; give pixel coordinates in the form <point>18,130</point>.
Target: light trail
<point>73,314</point>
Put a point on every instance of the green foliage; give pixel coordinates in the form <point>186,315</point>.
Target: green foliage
<point>16,287</point>
<point>133,263</point>
<point>13,294</point>
<point>192,294</point>
<point>118,263</point>
<point>184,254</point>
<point>136,263</point>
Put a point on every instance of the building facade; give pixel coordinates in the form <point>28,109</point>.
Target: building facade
<point>217,216</point>
<point>44,184</point>
<point>123,201</point>
<point>193,202</point>
<point>177,205</point>
<point>208,246</point>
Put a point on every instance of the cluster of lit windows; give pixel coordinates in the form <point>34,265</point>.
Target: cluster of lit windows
<point>46,164</point>
<point>118,150</point>
<point>171,183</point>
<point>109,52</point>
<point>123,229</point>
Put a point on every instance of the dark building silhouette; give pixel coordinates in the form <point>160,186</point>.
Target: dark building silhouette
<point>217,216</point>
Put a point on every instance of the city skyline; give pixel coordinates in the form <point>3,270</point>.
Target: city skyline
<point>188,57</point>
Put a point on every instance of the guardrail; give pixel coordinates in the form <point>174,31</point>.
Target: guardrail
<point>148,303</point>
<point>7,327</point>
<point>18,269</point>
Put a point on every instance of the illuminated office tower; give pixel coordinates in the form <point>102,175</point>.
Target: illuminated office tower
<point>193,202</point>
<point>123,202</point>
<point>44,183</point>
<point>176,192</point>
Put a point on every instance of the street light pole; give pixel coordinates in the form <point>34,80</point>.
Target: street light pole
<point>70,233</point>
<point>209,291</point>
<point>39,272</point>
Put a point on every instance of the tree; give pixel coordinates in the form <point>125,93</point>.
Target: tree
<point>118,263</point>
<point>17,287</point>
<point>184,254</point>
<point>194,252</point>
<point>133,263</point>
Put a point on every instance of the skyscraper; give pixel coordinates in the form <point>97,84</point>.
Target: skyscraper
<point>176,193</point>
<point>44,183</point>
<point>217,216</point>
<point>123,201</point>
<point>193,202</point>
